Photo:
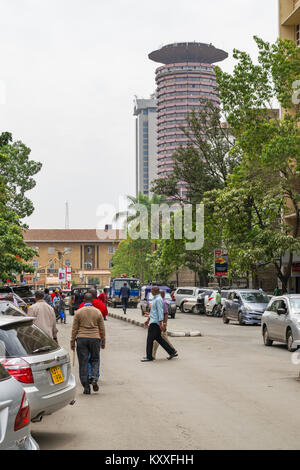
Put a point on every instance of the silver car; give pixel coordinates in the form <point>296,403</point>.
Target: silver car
<point>14,415</point>
<point>281,321</point>
<point>41,366</point>
<point>183,293</point>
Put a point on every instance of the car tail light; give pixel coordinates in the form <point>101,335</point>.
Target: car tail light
<point>23,416</point>
<point>210,298</point>
<point>19,369</point>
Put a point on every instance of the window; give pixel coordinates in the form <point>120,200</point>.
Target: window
<point>35,263</point>
<point>67,250</point>
<point>52,266</point>
<point>110,264</point>
<point>89,250</point>
<point>51,250</point>
<point>145,111</point>
<point>111,249</point>
<point>25,339</point>
<point>67,262</point>
<point>298,34</point>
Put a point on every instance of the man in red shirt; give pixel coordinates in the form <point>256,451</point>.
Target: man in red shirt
<point>97,303</point>
<point>103,298</point>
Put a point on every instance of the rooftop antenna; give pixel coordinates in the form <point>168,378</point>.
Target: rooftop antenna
<point>67,224</point>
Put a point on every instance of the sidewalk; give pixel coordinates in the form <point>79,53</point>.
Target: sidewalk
<point>178,326</point>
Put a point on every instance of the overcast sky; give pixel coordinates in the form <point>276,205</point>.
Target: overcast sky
<point>71,69</point>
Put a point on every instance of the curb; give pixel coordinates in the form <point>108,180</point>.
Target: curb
<point>193,333</point>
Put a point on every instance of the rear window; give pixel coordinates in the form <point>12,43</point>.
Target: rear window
<point>4,374</point>
<point>185,291</point>
<point>224,295</point>
<point>21,340</point>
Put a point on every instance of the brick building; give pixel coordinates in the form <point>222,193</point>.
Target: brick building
<point>88,252</point>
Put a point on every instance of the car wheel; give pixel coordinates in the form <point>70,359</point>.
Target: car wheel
<point>208,313</point>
<point>195,309</point>
<point>185,310</point>
<point>240,318</point>
<point>290,340</point>
<point>267,340</point>
<point>225,319</point>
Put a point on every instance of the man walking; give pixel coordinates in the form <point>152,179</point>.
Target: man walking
<point>47,297</point>
<point>88,327</point>
<point>155,323</point>
<point>44,316</point>
<point>103,309</point>
<point>124,296</point>
<point>164,329</point>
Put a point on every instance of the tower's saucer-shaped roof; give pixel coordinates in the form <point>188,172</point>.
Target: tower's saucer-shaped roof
<point>188,52</point>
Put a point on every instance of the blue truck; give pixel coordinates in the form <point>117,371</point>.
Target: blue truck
<point>115,287</point>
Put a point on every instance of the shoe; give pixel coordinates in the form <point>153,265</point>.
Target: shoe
<point>87,390</point>
<point>95,386</point>
<point>146,360</point>
<point>175,354</point>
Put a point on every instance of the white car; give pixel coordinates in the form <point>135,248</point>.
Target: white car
<point>197,304</point>
<point>14,415</point>
<point>211,303</point>
<point>183,293</point>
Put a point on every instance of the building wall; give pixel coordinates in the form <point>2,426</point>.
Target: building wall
<point>49,263</point>
<point>289,18</point>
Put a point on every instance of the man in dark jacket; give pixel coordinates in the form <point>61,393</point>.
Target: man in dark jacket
<point>124,296</point>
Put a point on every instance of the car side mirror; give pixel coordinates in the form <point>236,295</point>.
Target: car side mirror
<point>281,311</point>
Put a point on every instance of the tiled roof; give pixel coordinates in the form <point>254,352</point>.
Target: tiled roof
<point>71,235</point>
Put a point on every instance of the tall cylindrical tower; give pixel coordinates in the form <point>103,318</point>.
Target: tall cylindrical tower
<point>186,77</point>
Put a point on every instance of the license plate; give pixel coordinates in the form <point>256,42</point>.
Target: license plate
<point>56,374</point>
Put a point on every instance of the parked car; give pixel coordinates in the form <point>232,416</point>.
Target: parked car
<point>198,303</point>
<point>8,308</point>
<point>281,321</point>
<point>67,296</point>
<point>245,306</point>
<point>41,366</point>
<point>211,305</point>
<point>148,297</point>
<point>183,293</point>
<point>14,415</point>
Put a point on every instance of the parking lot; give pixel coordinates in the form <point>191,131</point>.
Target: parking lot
<point>225,391</point>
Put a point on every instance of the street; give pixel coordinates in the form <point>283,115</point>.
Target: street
<point>225,391</point>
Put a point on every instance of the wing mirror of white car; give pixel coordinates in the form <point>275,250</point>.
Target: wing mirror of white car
<point>282,311</point>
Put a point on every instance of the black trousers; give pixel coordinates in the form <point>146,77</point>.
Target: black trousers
<point>124,303</point>
<point>154,334</point>
<point>88,351</point>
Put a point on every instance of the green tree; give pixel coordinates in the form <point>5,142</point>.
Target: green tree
<point>264,189</point>
<point>16,171</point>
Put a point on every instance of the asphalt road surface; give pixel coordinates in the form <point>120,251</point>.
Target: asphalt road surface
<point>225,391</point>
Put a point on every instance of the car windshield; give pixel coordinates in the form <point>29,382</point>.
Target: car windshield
<point>20,340</point>
<point>167,296</point>
<point>132,284</point>
<point>295,305</point>
<point>255,297</point>
<point>23,291</point>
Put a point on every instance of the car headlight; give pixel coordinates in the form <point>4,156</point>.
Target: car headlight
<point>247,308</point>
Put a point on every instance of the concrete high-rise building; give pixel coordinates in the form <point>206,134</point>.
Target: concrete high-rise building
<point>146,144</point>
<point>289,20</point>
<point>186,77</point>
